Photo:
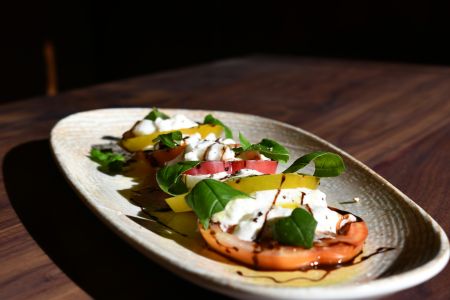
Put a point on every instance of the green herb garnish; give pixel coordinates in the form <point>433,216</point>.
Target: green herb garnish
<point>171,139</point>
<point>169,177</point>
<point>109,161</point>
<point>155,113</point>
<point>245,144</point>
<point>297,230</point>
<point>210,196</point>
<point>209,119</point>
<point>327,164</point>
<point>268,148</point>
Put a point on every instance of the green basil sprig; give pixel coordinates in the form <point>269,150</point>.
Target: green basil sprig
<point>297,230</point>
<point>210,196</point>
<point>245,144</point>
<point>327,164</point>
<point>266,147</point>
<point>171,139</point>
<point>109,161</point>
<point>209,119</point>
<point>155,113</point>
<point>169,177</point>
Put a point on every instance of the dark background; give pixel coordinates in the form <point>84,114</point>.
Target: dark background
<point>97,41</point>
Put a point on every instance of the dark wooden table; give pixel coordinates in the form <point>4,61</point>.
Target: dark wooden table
<point>393,117</point>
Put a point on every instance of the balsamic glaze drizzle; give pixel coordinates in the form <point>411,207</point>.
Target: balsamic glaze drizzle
<point>258,237</point>
<point>327,269</point>
<point>283,281</point>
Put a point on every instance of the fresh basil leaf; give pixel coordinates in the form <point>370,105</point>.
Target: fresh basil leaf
<point>266,147</point>
<point>171,139</point>
<point>271,149</point>
<point>297,230</point>
<point>169,177</point>
<point>327,164</point>
<point>245,144</point>
<point>109,161</point>
<point>209,119</point>
<point>237,150</point>
<point>210,196</point>
<point>155,113</point>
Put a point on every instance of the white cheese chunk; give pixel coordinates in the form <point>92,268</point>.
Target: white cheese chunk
<point>178,121</point>
<point>208,149</point>
<point>246,216</point>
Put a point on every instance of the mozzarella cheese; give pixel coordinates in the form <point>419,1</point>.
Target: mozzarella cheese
<point>246,172</point>
<point>208,149</point>
<point>144,127</point>
<point>178,121</point>
<point>192,180</point>
<point>246,216</point>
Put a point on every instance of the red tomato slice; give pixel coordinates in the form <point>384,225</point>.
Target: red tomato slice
<point>263,166</point>
<point>210,167</point>
<point>334,251</point>
<point>217,166</point>
<point>159,158</point>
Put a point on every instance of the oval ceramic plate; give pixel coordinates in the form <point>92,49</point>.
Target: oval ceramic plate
<point>421,247</point>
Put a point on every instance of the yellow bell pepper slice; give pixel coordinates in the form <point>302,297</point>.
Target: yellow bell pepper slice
<point>142,142</point>
<point>178,203</point>
<point>252,184</point>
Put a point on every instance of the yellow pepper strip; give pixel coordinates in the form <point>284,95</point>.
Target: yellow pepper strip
<point>140,143</point>
<point>252,184</point>
<point>288,205</point>
<point>178,203</point>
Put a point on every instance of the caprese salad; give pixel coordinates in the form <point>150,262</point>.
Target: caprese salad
<point>245,210</point>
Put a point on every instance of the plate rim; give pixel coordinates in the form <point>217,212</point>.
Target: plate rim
<point>381,286</point>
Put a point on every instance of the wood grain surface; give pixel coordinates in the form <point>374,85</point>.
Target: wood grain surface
<point>393,117</point>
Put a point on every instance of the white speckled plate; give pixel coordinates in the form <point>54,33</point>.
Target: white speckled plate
<point>394,220</point>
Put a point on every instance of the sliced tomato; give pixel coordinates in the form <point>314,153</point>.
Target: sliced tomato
<point>211,167</point>
<point>159,158</point>
<point>231,167</point>
<point>263,166</point>
<point>334,251</point>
